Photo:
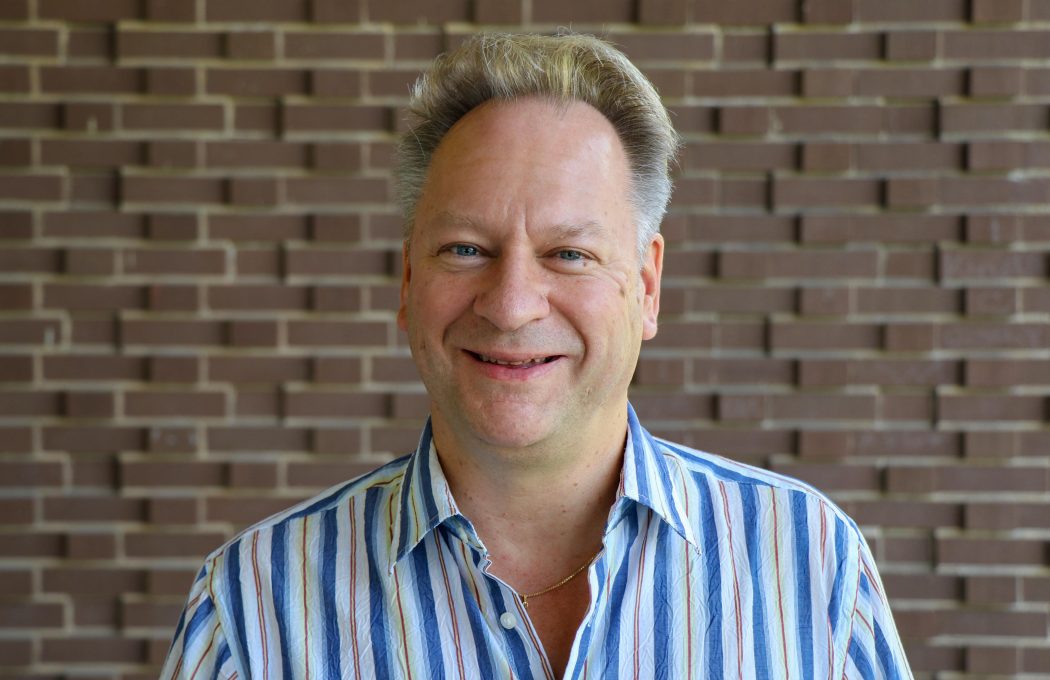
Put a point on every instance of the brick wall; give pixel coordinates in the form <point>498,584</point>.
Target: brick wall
<point>198,267</point>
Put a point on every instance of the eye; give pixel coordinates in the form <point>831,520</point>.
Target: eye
<point>570,255</point>
<point>462,250</point>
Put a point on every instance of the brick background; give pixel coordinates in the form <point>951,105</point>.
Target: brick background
<point>198,271</point>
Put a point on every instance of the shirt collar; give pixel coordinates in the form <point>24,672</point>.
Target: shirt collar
<point>654,480</point>
<point>424,500</point>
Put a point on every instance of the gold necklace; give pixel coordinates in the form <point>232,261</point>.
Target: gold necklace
<point>525,596</point>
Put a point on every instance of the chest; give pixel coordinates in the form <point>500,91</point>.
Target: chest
<point>652,606</point>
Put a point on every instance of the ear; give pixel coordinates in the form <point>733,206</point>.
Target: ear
<point>652,270</point>
<point>406,276</point>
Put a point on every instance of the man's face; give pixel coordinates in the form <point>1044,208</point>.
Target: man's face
<point>523,296</point>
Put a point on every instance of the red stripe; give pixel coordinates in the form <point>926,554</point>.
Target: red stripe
<point>638,592</point>
<point>823,532</point>
<point>259,604</point>
<point>780,593</point>
<point>470,575</point>
<point>353,589</point>
<point>688,581</point>
<point>547,670</point>
<point>306,605</point>
<point>736,584</point>
<point>451,608</point>
<point>206,650</point>
<point>852,620</point>
<point>397,592</point>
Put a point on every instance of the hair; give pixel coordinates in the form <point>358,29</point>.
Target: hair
<point>562,68</point>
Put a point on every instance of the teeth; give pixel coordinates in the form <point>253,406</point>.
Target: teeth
<point>529,362</point>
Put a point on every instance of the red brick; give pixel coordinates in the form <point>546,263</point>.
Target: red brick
<point>799,264</point>
<point>256,82</point>
<point>823,47</point>
<point>258,228</point>
<point>909,12</point>
<point>442,11</point>
<point>317,404</point>
<point>171,82</point>
<point>255,154</point>
<point>325,473</point>
<point>170,10</point>
<point>1006,373</point>
<point>911,45</point>
<point>181,190</point>
<point>826,336</point>
<point>258,297</point>
<point>334,118</point>
<point>92,439</point>
<point>172,333</point>
<point>827,12</point>
<point>174,404</point>
<point>257,10</point>
<point>502,12</point>
<point>30,474</point>
<point>250,45</point>
<point>253,334</point>
<point>100,11</point>
<point>199,117</point>
<point>93,367</point>
<point>175,474</point>
<point>832,476</point>
<point>93,509</point>
<point>808,192</point>
<point>330,45</point>
<point>132,44</point>
<point>31,615</point>
<point>745,12</point>
<point>336,10</point>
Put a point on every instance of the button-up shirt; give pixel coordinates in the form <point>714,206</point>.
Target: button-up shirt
<point>710,569</point>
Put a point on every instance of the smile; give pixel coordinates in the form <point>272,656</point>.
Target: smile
<point>512,363</point>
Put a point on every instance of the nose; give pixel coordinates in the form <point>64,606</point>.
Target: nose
<point>513,293</point>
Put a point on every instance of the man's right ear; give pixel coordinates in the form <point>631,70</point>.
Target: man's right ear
<point>406,275</point>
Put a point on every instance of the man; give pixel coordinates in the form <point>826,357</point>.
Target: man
<point>539,531</point>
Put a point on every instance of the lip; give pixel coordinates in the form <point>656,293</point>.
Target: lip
<point>513,373</point>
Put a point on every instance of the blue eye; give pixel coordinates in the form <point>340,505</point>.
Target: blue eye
<point>464,250</point>
<point>570,255</point>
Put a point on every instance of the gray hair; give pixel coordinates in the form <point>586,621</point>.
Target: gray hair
<point>564,67</point>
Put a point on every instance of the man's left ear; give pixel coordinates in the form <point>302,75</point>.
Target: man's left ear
<point>406,275</point>
<point>652,270</point>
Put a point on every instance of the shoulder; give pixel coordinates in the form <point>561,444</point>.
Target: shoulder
<point>752,488</point>
<point>383,481</point>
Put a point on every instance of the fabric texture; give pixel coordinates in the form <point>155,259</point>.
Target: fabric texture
<point>710,569</point>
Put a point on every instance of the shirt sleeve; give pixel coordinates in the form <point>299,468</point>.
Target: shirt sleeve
<point>200,650</point>
<point>875,651</point>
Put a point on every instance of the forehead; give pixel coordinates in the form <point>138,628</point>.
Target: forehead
<point>529,161</point>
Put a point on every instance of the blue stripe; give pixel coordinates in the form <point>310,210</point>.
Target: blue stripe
<point>662,602</point>
<point>803,601</point>
<point>835,604</point>
<point>279,583</point>
<point>860,660</point>
<point>233,592</point>
<point>512,641</point>
<point>712,561</point>
<point>222,657</point>
<point>377,615</point>
<point>753,533</point>
<point>333,653</point>
<point>882,649</point>
<point>611,652</point>
<point>197,622</point>
<point>478,629</point>
<point>425,599</point>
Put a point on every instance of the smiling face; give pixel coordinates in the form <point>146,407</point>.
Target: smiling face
<point>523,297</point>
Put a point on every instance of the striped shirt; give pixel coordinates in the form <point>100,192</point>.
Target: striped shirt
<point>710,569</point>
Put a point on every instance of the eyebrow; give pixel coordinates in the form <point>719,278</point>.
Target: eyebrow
<point>557,231</point>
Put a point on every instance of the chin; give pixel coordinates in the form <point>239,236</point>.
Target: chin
<point>513,425</point>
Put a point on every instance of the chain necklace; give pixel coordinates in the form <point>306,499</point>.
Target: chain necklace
<point>525,596</point>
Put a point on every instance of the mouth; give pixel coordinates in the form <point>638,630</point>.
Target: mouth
<point>515,363</point>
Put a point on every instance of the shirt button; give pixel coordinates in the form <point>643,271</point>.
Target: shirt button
<point>507,620</point>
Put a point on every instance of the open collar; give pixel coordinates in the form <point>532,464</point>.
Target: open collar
<point>424,500</point>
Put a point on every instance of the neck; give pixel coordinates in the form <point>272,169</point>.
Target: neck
<point>544,506</point>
